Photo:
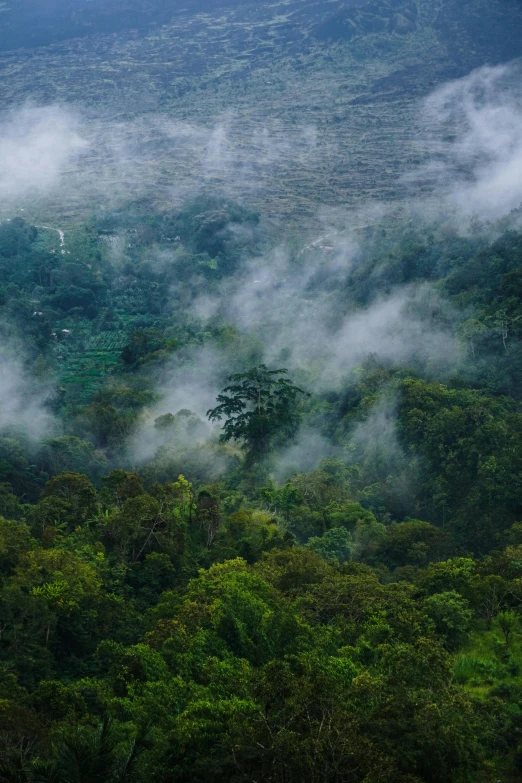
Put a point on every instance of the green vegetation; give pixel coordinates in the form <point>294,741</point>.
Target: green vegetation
<point>260,489</point>
<point>259,408</point>
<point>195,611</point>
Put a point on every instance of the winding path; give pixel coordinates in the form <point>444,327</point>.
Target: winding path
<point>59,231</point>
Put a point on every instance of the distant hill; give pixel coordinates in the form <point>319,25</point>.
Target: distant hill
<point>291,106</point>
<point>35,23</point>
<point>29,23</point>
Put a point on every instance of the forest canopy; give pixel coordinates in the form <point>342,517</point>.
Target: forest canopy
<point>218,566</point>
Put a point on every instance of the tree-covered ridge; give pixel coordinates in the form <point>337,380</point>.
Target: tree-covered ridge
<point>204,608</point>
<point>273,659</point>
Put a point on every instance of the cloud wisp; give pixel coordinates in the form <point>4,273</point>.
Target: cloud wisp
<point>472,131</point>
<point>22,402</point>
<point>37,146</point>
<point>299,313</point>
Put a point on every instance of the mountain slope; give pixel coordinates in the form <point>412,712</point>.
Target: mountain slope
<point>292,106</point>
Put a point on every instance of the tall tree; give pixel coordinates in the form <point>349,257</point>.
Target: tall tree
<point>259,408</point>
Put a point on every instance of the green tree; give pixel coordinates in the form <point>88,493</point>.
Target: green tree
<point>141,345</point>
<point>508,624</point>
<point>15,541</point>
<point>335,544</point>
<point>87,756</point>
<point>452,617</point>
<point>77,492</point>
<point>71,454</point>
<point>283,499</point>
<point>259,408</point>
<point>58,577</point>
<point>119,486</point>
<point>415,543</point>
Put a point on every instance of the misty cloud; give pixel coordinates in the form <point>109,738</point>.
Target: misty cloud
<point>192,382</point>
<point>107,162</point>
<point>303,455</point>
<point>37,146</point>
<point>296,309</point>
<point>22,403</point>
<point>472,128</point>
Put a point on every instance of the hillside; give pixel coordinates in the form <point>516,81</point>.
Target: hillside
<point>261,391</point>
<point>294,107</point>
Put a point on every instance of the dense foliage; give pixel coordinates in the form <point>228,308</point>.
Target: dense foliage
<point>201,611</point>
<point>259,407</point>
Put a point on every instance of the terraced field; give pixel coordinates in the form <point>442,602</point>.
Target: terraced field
<point>296,107</point>
<point>84,367</point>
